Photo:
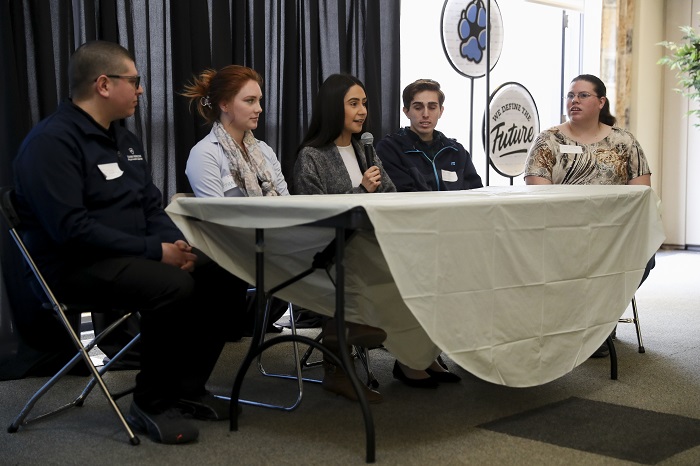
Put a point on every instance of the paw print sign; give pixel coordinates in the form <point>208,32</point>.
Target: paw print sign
<point>472,31</point>
<point>464,35</point>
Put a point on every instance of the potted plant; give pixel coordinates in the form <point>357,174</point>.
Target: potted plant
<point>684,57</point>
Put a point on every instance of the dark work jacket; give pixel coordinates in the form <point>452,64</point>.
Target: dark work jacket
<point>84,194</point>
<point>412,168</point>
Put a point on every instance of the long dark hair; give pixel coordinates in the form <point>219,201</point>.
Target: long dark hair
<point>328,115</point>
<point>605,116</point>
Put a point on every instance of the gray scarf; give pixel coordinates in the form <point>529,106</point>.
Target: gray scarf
<point>248,167</point>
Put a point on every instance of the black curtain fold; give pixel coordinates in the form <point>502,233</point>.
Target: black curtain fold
<point>190,51</point>
<point>11,126</point>
<point>43,57</point>
<point>106,17</point>
<point>293,44</point>
<point>221,33</point>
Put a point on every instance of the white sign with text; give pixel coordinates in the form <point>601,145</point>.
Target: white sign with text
<point>513,126</point>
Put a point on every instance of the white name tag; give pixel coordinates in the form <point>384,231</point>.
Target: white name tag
<point>567,149</point>
<point>110,171</point>
<point>228,183</point>
<point>449,176</point>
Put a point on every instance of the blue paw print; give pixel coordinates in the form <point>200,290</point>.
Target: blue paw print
<point>472,31</point>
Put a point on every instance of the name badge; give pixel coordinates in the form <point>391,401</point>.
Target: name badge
<point>228,182</point>
<point>449,176</point>
<point>110,171</point>
<point>567,149</point>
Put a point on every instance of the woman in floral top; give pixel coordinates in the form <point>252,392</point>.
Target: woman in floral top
<point>588,148</point>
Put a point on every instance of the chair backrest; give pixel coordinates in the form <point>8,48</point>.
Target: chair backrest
<point>8,208</point>
<point>10,216</point>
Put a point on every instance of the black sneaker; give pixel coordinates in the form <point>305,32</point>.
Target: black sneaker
<point>206,407</point>
<point>167,427</point>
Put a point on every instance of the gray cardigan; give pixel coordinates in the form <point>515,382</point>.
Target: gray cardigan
<point>322,171</point>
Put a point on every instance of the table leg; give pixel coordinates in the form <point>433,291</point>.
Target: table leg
<point>342,340</point>
<point>256,347</point>
<point>613,357</point>
<point>259,325</point>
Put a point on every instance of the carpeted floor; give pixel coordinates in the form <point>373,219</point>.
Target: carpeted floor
<point>631,434</point>
<point>650,415</point>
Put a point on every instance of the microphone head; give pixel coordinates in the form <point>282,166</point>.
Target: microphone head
<point>367,138</point>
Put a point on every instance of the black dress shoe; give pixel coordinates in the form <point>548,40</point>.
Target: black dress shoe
<point>443,377</point>
<point>430,382</point>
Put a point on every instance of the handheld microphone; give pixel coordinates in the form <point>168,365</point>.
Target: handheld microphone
<point>367,139</point>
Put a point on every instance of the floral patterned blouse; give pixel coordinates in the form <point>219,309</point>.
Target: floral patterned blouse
<point>614,160</point>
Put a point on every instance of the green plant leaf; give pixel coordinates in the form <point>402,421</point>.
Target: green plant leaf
<point>684,58</point>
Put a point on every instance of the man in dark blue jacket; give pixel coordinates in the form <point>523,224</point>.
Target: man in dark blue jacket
<point>420,158</point>
<point>94,222</point>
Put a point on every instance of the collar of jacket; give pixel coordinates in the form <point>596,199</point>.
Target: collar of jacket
<point>87,123</point>
<point>409,140</point>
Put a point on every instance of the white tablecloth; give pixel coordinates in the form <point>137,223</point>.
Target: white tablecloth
<point>518,285</point>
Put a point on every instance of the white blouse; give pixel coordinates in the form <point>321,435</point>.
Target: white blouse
<point>351,165</point>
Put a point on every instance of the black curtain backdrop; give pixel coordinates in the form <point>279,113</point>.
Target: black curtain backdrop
<point>293,44</point>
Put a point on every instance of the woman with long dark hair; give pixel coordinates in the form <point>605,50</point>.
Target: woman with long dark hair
<point>331,161</point>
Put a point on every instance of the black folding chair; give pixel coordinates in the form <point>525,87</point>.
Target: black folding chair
<point>635,320</point>
<point>62,311</point>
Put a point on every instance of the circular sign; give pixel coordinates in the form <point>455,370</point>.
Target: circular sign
<point>464,34</point>
<point>513,126</point>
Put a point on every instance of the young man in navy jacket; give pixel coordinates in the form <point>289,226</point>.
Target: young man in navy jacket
<point>420,158</point>
<point>93,221</point>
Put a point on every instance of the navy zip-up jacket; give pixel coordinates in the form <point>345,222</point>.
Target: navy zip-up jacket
<point>84,194</point>
<point>412,169</point>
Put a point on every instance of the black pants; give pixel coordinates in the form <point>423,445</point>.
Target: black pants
<point>650,265</point>
<point>183,321</point>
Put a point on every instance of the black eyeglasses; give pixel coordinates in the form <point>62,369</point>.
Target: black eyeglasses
<point>135,80</point>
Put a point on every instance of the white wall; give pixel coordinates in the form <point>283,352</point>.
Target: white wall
<point>646,117</point>
<point>673,168</point>
<point>531,56</point>
<point>680,165</point>
<point>692,211</point>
